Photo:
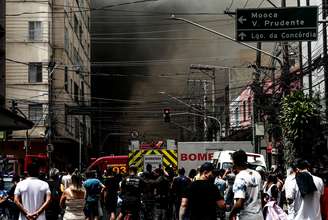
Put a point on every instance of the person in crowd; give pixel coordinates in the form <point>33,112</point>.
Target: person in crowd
<point>222,185</point>
<point>305,192</point>
<point>220,181</point>
<point>148,194</point>
<point>202,197</point>
<point>94,188</point>
<point>131,190</point>
<point>324,200</point>
<point>229,196</point>
<point>289,181</point>
<point>271,207</point>
<point>73,199</point>
<point>270,189</point>
<point>192,174</point>
<point>4,201</point>
<point>162,188</point>
<point>111,182</point>
<point>53,209</point>
<point>246,190</point>
<point>32,195</point>
<point>14,211</point>
<point>66,179</point>
<point>180,183</point>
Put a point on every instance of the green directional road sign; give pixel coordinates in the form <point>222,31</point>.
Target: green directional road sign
<point>277,24</point>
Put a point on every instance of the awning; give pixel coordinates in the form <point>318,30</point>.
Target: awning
<point>11,121</point>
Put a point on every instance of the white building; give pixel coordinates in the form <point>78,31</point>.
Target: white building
<point>39,34</point>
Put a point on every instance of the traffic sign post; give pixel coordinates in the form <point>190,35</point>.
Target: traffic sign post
<point>277,24</point>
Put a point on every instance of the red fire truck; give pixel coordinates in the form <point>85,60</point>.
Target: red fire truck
<point>118,163</point>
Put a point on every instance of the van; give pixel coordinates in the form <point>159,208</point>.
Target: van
<point>223,160</point>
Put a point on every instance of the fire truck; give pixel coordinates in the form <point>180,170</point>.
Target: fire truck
<point>119,164</point>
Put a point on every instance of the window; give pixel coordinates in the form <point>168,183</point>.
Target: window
<point>82,93</point>
<point>71,86</point>
<point>66,78</point>
<point>249,107</point>
<point>66,118</point>
<point>34,30</point>
<point>66,40</point>
<point>34,72</point>
<point>237,116</point>
<point>77,128</point>
<point>76,92</point>
<point>76,25</point>
<point>244,110</point>
<point>35,113</point>
<point>80,32</point>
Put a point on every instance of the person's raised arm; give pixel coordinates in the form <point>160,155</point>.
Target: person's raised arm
<point>183,208</point>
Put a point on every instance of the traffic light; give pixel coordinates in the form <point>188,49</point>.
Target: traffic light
<point>167,115</point>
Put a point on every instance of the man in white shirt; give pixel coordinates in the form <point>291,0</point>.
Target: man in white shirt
<point>32,195</point>
<point>306,199</point>
<point>246,190</point>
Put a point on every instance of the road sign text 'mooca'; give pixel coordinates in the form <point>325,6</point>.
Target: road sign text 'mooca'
<point>196,156</point>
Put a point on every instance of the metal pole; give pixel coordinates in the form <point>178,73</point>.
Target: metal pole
<point>213,102</point>
<point>285,55</point>
<point>51,69</point>
<point>201,115</point>
<point>80,151</point>
<point>324,36</point>
<point>205,109</point>
<point>309,51</point>
<point>300,52</point>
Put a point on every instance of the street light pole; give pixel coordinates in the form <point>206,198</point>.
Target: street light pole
<point>201,115</point>
<point>229,38</point>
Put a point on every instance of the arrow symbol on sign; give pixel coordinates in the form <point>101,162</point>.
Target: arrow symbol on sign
<point>242,35</point>
<point>242,19</point>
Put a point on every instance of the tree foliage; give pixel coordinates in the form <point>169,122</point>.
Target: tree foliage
<point>300,121</point>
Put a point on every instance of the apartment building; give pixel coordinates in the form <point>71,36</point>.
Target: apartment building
<point>47,72</point>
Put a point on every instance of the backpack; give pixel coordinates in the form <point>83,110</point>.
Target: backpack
<point>274,212</point>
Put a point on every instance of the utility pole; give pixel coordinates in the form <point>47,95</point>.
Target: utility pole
<point>205,109</point>
<point>300,53</point>
<point>325,65</point>
<point>309,52</point>
<point>51,69</point>
<point>285,61</point>
<point>256,89</point>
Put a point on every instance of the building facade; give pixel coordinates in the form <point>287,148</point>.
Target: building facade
<point>48,71</point>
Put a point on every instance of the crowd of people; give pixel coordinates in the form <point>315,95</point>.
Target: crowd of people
<point>205,194</point>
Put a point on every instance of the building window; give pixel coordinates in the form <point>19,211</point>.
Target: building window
<point>82,93</point>
<point>76,92</point>
<point>249,107</point>
<point>66,118</point>
<point>34,30</point>
<point>71,86</point>
<point>77,128</point>
<point>237,116</point>
<point>244,110</point>
<point>66,78</point>
<point>66,40</point>
<point>35,113</point>
<point>76,25</point>
<point>80,33</point>
<point>34,72</point>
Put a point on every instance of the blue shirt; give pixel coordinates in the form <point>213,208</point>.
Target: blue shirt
<point>93,189</point>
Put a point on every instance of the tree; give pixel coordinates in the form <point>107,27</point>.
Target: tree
<point>300,122</point>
